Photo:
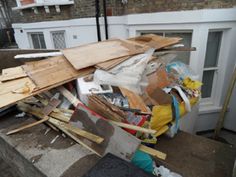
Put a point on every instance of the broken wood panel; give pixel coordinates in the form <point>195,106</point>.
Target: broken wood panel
<point>54,70</point>
<point>15,90</point>
<point>155,41</point>
<point>92,54</point>
<point>135,101</point>
<point>116,140</point>
<point>12,73</point>
<point>105,109</point>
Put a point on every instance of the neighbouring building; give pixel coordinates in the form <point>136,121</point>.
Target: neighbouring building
<point>6,32</point>
<point>208,25</point>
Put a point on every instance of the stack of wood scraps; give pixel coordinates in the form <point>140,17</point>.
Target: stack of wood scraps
<point>120,125</point>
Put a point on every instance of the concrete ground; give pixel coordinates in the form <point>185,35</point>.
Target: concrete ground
<point>7,171</point>
<point>226,135</point>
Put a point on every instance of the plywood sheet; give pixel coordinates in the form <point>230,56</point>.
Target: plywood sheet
<point>15,90</point>
<point>92,54</point>
<point>111,63</point>
<point>135,101</point>
<point>12,73</point>
<point>43,75</point>
<point>155,41</point>
<point>54,70</point>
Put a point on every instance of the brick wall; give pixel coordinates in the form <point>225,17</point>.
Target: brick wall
<point>86,8</point>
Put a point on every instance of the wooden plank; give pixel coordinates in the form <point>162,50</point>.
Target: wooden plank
<point>152,152</point>
<point>59,116</point>
<point>155,41</point>
<point>92,54</point>
<point>12,73</point>
<point>28,126</point>
<point>85,134</point>
<point>15,90</point>
<point>133,127</point>
<point>135,101</point>
<point>111,63</point>
<point>54,70</point>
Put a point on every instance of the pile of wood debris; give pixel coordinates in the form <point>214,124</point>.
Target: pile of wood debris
<point>99,124</point>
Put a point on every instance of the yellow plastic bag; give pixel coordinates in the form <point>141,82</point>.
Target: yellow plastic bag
<point>162,115</point>
<point>191,84</point>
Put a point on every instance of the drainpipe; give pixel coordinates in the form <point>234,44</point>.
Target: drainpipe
<point>105,18</point>
<point>97,19</point>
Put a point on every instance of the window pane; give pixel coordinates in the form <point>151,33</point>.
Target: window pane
<point>35,41</point>
<point>187,40</point>
<point>38,41</point>
<point>213,47</point>
<point>59,40</point>
<point>207,81</point>
<point>42,41</point>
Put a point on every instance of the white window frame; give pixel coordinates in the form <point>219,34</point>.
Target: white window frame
<point>197,58</point>
<point>38,3</point>
<point>31,40</point>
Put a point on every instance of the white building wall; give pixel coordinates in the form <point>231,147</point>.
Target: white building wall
<point>199,22</point>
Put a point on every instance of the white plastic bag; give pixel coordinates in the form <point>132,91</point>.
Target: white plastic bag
<point>130,74</point>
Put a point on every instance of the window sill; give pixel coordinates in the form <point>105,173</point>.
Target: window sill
<point>208,108</point>
<point>66,2</point>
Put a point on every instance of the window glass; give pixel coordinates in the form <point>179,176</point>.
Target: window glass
<point>59,39</point>
<point>207,80</point>
<point>35,41</point>
<point>187,40</point>
<point>42,41</point>
<point>38,41</point>
<point>213,47</point>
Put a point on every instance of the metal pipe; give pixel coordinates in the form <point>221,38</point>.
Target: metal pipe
<point>97,19</point>
<point>105,18</point>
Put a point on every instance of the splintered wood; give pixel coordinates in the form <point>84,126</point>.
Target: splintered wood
<point>92,54</point>
<point>105,109</point>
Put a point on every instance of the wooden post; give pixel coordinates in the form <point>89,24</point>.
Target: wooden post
<point>221,119</point>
